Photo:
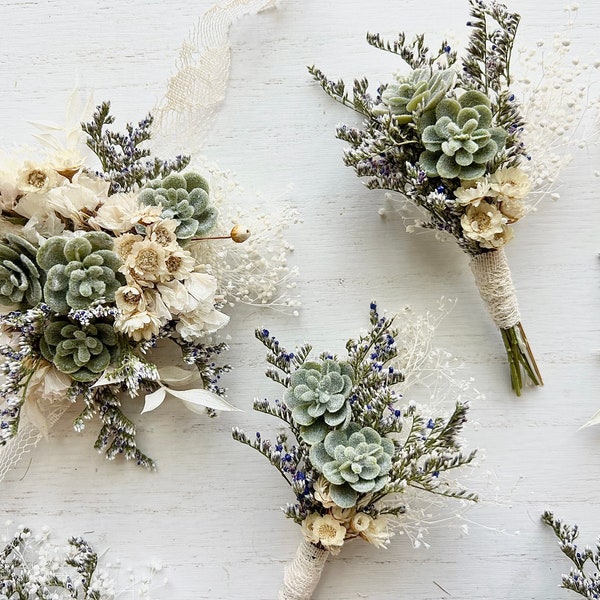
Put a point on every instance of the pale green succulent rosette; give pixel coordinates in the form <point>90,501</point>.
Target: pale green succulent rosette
<point>461,140</point>
<point>416,93</point>
<point>355,461</point>
<point>81,351</point>
<point>20,277</point>
<point>184,197</point>
<point>79,271</point>
<point>318,397</point>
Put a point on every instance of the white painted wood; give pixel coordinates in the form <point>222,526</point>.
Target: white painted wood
<point>211,513</point>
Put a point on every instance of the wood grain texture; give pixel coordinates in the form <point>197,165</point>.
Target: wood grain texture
<point>211,513</point>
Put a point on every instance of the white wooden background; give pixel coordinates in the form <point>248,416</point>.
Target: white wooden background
<point>211,513</point>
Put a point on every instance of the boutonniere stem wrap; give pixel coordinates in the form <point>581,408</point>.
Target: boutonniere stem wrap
<point>449,136</point>
<point>353,447</point>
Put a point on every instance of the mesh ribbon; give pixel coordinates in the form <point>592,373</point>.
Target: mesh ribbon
<point>302,575</point>
<point>493,280</point>
<point>186,112</point>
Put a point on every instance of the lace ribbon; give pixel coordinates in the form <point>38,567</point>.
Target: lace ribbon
<point>494,282</point>
<point>302,575</point>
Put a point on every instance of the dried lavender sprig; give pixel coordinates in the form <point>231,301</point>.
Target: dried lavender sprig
<point>122,154</point>
<point>586,584</point>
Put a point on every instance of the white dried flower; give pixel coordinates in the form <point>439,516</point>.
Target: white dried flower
<point>37,178</point>
<point>377,532</point>
<point>146,262</point>
<point>360,522</point>
<point>321,492</point>
<point>472,192</point>
<point>482,222</point>
<point>324,530</point>
<point>138,325</point>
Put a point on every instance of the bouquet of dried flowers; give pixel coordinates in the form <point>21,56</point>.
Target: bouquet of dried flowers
<point>108,286</point>
<point>447,134</point>
<point>586,584</point>
<point>350,452</point>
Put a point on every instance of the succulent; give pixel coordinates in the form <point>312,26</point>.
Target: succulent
<point>421,91</point>
<point>354,461</point>
<point>318,398</point>
<point>460,139</point>
<point>183,196</point>
<point>20,282</point>
<point>81,351</point>
<point>79,270</point>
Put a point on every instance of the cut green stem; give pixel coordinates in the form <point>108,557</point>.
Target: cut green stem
<point>520,357</point>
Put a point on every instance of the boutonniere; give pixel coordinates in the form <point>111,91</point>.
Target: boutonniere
<point>352,448</point>
<point>448,134</point>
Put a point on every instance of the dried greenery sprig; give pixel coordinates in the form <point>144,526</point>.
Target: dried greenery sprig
<point>580,579</point>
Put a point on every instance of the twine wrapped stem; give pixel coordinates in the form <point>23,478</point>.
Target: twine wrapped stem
<point>494,282</point>
<point>302,575</point>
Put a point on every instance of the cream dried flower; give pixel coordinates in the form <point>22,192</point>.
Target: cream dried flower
<point>360,522</point>
<point>138,325</point>
<point>481,223</point>
<point>321,492</point>
<point>176,297</point>
<point>499,239</point>
<point>120,213</point>
<point>37,178</point>
<point>510,186</point>
<point>343,515</point>
<point>163,232</point>
<point>473,192</point>
<point>146,262</point>
<point>324,530</point>
<point>513,209</point>
<point>510,183</point>
<point>130,299</point>
<point>377,532</point>
<point>180,264</point>
<point>124,243</point>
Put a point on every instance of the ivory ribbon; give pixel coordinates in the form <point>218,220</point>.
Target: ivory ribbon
<point>302,575</point>
<point>494,282</point>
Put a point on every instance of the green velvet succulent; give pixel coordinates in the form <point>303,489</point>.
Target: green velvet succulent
<point>318,398</point>
<point>354,461</point>
<point>183,196</point>
<point>20,278</point>
<point>421,91</point>
<point>460,139</point>
<point>79,270</point>
<point>81,351</point>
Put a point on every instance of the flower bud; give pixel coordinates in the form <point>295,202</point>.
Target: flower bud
<point>239,234</point>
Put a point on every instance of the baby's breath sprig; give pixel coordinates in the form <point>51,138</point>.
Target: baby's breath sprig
<point>580,579</point>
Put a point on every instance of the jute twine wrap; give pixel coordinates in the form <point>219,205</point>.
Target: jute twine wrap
<point>302,575</point>
<point>493,280</point>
